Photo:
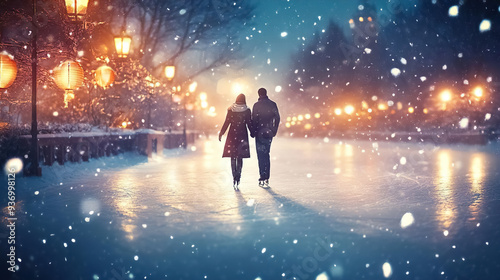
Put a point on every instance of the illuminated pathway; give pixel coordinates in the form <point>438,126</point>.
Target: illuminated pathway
<point>334,211</point>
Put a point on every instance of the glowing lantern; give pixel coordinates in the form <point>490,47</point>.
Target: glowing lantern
<point>76,8</point>
<point>8,70</point>
<point>104,76</point>
<point>122,45</point>
<point>68,76</point>
<point>170,72</point>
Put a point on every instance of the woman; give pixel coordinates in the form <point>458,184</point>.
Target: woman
<point>236,147</point>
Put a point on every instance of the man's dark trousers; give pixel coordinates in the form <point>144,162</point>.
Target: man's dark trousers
<point>263,149</point>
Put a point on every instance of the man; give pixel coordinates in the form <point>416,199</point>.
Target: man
<point>265,122</point>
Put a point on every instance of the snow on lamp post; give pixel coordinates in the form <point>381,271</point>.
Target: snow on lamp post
<point>68,76</point>
<point>76,9</point>
<point>8,70</point>
<point>122,45</point>
<point>104,76</point>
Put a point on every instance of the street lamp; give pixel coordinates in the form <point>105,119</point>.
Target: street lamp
<point>122,45</point>
<point>170,72</point>
<point>76,9</point>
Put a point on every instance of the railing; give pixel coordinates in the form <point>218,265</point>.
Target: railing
<point>82,146</point>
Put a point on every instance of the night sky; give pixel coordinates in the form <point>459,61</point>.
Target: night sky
<point>300,19</point>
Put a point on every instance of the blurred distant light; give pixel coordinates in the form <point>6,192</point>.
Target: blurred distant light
<point>55,114</point>
<point>204,104</point>
<point>349,109</point>
<point>288,119</point>
<point>307,116</point>
<point>382,106</point>
<point>124,124</point>
<point>374,98</point>
<point>453,11</point>
<point>338,111</point>
<point>478,92</point>
<point>317,115</point>
<point>351,23</point>
<point>446,96</point>
<point>308,126</point>
<point>411,110</point>
<point>370,19</point>
<point>361,19</point>
<point>294,119</point>
<point>288,125</point>
<point>300,117</point>
<point>193,86</point>
<point>485,25</point>
<point>203,96</point>
<point>278,89</point>
<point>425,111</point>
<point>284,34</point>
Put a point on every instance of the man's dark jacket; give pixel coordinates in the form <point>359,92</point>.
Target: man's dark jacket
<point>265,118</point>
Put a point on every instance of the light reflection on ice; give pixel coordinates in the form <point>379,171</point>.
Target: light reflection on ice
<point>445,208</point>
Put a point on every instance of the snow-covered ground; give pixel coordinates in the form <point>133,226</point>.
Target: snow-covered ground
<point>353,210</point>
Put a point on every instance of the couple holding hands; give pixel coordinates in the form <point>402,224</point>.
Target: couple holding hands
<point>262,122</point>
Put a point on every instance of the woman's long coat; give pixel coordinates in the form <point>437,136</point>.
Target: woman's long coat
<point>238,121</point>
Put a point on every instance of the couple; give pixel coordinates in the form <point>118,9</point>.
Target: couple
<point>263,125</point>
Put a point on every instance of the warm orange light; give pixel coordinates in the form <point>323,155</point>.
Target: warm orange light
<point>446,96</point>
<point>76,8</point>
<point>426,111</point>
<point>122,45</point>
<point>411,110</point>
<point>307,126</point>
<point>124,124</point>
<point>370,19</point>
<point>192,87</point>
<point>478,92</point>
<point>361,19</point>
<point>349,109</point>
<point>300,117</point>
<point>203,96</point>
<point>68,75</point>
<point>189,107</point>
<point>204,104</point>
<point>382,106</point>
<point>104,76</point>
<point>8,70</point>
<point>170,72</point>
<point>338,111</point>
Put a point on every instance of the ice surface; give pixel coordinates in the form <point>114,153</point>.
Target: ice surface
<point>350,212</point>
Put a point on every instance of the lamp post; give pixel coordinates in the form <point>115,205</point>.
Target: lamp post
<point>192,89</point>
<point>170,74</point>
<point>122,45</point>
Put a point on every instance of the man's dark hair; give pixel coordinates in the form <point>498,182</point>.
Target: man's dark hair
<point>262,92</point>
